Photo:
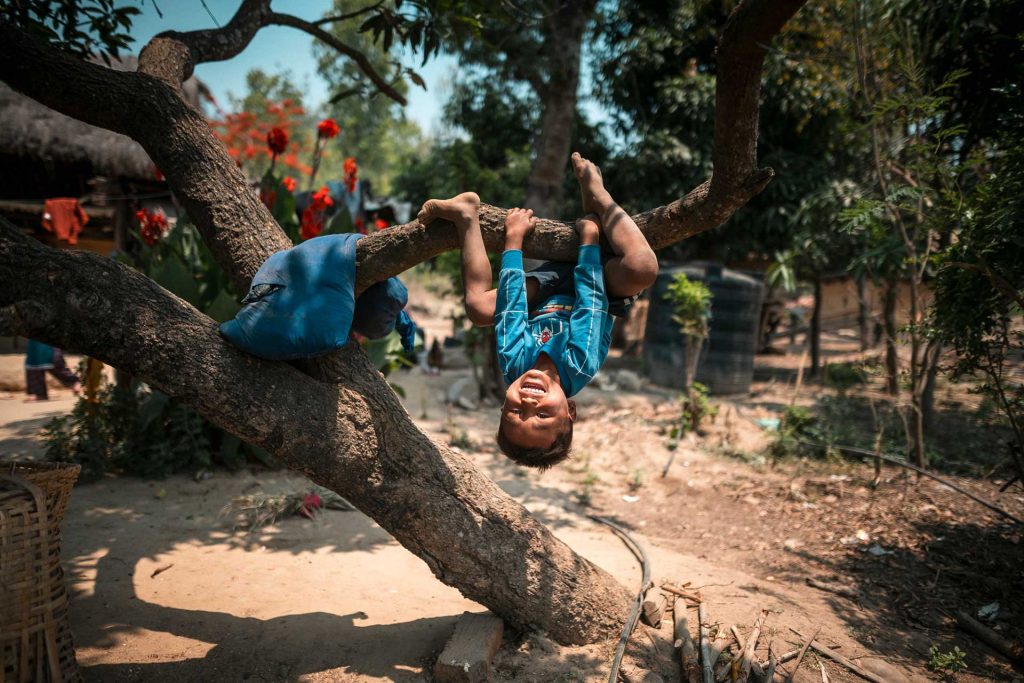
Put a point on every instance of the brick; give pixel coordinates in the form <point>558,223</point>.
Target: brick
<point>467,656</point>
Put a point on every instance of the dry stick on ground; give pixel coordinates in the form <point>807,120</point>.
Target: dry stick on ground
<point>769,672</point>
<point>705,644</point>
<point>788,656</point>
<point>842,591</point>
<point>799,375</point>
<point>800,656</point>
<point>684,641</point>
<point>910,466</point>
<point>747,659</point>
<point>1013,652</point>
<point>681,592</point>
<point>836,657</point>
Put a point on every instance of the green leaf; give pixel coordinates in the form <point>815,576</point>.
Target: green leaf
<point>174,276</point>
<point>340,223</point>
<point>223,307</point>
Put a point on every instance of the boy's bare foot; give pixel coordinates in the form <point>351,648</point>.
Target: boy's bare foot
<point>462,206</point>
<point>595,197</point>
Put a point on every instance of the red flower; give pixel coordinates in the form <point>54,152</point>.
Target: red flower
<point>351,172</point>
<point>310,504</point>
<point>360,226</point>
<point>152,225</point>
<point>277,140</point>
<point>380,224</point>
<point>328,128</point>
<point>322,199</point>
<point>312,223</point>
<point>289,183</point>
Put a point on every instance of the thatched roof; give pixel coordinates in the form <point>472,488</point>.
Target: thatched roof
<point>35,131</point>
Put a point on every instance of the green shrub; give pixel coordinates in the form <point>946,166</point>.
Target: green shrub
<point>697,407</point>
<point>947,661</point>
<point>843,376</point>
<point>143,432</point>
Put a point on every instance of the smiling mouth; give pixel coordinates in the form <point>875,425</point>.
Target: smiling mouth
<point>532,388</point>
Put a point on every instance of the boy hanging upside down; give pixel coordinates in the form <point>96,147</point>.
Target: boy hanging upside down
<point>554,321</point>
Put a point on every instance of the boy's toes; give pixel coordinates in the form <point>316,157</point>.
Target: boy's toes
<point>427,212</point>
<point>578,163</point>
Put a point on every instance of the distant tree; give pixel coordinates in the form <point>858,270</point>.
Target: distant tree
<point>979,284</point>
<point>374,128</point>
<point>535,49</point>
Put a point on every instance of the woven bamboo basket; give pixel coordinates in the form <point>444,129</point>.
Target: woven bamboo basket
<point>35,637</point>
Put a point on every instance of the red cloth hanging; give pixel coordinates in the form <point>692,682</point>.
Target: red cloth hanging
<point>64,217</point>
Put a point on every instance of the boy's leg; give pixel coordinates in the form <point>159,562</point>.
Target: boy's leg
<point>35,385</point>
<point>634,267</point>
<point>63,373</point>
<point>463,211</point>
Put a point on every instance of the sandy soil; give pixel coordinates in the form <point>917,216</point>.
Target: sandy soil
<point>165,590</point>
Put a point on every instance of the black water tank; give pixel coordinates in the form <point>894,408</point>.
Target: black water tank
<point>726,363</point>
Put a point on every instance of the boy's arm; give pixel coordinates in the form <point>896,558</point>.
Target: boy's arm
<point>511,313</point>
<point>588,325</point>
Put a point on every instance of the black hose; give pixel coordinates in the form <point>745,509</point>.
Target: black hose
<point>645,583</point>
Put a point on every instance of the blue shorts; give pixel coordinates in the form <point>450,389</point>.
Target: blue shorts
<point>556,278</point>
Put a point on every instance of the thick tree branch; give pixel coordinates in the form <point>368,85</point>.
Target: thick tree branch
<point>234,223</point>
<point>331,40</point>
<point>171,56</point>
<point>745,40</point>
<point>353,437</point>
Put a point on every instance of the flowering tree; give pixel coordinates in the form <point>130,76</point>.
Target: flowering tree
<point>334,418</point>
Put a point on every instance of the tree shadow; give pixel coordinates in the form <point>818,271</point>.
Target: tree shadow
<point>114,525</point>
<point>928,569</point>
<point>283,648</point>
<point>23,442</point>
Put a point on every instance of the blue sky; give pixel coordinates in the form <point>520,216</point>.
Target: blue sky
<point>280,48</point>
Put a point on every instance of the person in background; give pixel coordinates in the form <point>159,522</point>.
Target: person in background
<point>41,358</point>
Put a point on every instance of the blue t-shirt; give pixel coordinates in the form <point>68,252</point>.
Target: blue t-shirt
<point>574,332</point>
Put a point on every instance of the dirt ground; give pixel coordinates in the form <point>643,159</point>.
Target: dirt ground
<point>165,590</point>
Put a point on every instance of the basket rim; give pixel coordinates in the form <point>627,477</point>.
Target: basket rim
<point>13,466</point>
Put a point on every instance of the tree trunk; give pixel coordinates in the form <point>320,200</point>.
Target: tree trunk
<point>815,331</point>
<point>892,368</point>
<point>928,394</point>
<point>862,312</point>
<point>558,103</point>
<point>492,382</point>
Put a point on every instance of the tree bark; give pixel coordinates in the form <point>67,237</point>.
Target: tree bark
<point>815,331</point>
<point>863,312</point>
<point>892,366</point>
<point>558,103</point>
<point>334,418</point>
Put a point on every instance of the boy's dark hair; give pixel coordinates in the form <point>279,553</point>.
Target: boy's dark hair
<point>541,458</point>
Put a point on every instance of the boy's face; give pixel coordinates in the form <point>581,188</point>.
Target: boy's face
<point>535,410</point>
